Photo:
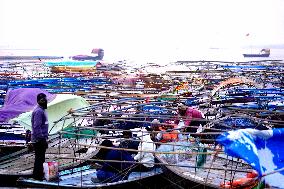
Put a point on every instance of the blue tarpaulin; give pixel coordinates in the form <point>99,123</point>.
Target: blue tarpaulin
<point>263,150</point>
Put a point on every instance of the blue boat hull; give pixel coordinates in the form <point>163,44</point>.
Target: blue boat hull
<point>75,180</point>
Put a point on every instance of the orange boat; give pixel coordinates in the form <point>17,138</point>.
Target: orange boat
<point>73,69</point>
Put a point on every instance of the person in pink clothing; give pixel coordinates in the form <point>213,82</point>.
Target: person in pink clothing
<point>188,116</point>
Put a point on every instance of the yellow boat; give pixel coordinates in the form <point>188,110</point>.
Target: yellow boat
<point>82,69</point>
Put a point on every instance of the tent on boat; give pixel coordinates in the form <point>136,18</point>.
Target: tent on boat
<point>19,104</point>
<point>18,101</point>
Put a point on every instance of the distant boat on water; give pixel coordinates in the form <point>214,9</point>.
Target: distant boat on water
<point>99,52</point>
<point>263,53</point>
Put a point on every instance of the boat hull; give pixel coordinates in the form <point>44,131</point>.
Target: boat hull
<point>86,57</point>
<point>57,69</point>
<point>181,182</point>
<point>256,55</point>
<point>193,166</point>
<point>77,181</point>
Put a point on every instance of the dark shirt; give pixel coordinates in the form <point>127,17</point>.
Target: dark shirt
<point>39,124</point>
<point>129,145</point>
<point>119,156</point>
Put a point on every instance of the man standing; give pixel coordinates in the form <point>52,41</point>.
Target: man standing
<point>39,135</point>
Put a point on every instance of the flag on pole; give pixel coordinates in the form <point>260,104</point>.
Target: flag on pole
<point>263,150</point>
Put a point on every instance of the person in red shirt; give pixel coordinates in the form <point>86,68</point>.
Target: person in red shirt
<point>188,116</point>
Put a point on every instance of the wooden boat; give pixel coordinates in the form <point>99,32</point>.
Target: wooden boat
<point>82,178</point>
<point>184,166</point>
<point>68,147</point>
<point>10,148</point>
<point>12,137</point>
<point>82,69</point>
<point>20,163</point>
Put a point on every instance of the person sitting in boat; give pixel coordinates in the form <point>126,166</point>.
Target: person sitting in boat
<point>168,133</point>
<point>147,158</point>
<point>155,128</point>
<point>127,142</point>
<point>102,122</point>
<point>164,132</point>
<point>28,136</point>
<point>113,171</point>
<point>188,117</point>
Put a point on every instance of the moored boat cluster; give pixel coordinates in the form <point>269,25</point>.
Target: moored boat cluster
<point>189,121</point>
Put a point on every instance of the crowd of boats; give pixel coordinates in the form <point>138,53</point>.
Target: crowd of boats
<point>93,101</point>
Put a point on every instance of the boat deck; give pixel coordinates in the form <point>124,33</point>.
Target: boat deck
<point>58,150</point>
<point>215,171</point>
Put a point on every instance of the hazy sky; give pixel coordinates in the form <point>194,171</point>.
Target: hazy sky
<point>140,24</point>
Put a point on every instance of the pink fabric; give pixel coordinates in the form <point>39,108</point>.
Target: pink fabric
<point>191,114</point>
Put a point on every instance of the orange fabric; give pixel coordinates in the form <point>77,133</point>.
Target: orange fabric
<point>252,174</point>
<point>245,183</point>
<point>169,136</point>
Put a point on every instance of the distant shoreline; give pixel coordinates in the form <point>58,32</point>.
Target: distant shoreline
<point>29,57</point>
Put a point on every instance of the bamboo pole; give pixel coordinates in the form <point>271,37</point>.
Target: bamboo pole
<point>159,143</point>
<point>160,164</point>
<point>273,172</point>
<point>169,130</point>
